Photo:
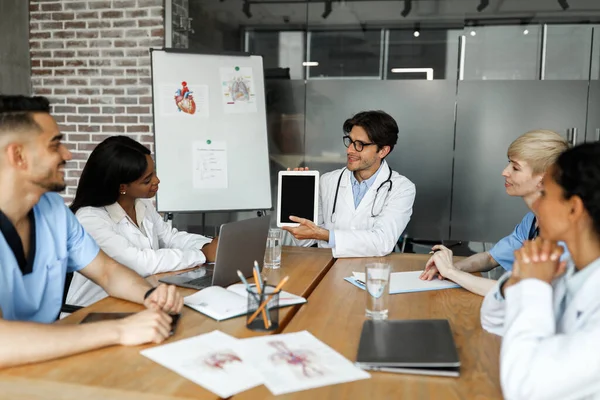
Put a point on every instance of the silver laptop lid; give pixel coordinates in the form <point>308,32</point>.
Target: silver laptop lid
<point>240,243</point>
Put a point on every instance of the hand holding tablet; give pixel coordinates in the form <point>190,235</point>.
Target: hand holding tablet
<point>297,195</point>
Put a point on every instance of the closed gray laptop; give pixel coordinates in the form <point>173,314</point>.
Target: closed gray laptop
<point>408,346</point>
<point>240,244</point>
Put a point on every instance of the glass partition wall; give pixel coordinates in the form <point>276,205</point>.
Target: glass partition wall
<point>462,84</point>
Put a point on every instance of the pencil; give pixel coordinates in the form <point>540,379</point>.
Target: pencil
<point>257,269</point>
<point>244,281</point>
<point>263,305</point>
<point>258,289</point>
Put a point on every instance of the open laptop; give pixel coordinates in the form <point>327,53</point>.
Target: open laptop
<point>240,244</point>
<point>408,346</point>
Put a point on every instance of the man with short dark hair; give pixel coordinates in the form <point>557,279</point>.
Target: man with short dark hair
<point>41,240</point>
<point>364,207</point>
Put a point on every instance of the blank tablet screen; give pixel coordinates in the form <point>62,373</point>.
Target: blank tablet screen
<point>297,197</point>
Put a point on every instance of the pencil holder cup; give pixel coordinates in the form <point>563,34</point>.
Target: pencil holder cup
<point>267,317</point>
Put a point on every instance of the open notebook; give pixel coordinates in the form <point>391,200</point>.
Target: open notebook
<point>405,282</point>
<point>224,303</point>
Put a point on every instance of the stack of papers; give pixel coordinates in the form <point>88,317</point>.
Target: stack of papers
<point>405,282</point>
<point>283,363</point>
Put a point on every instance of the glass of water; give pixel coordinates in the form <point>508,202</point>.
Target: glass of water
<point>377,277</point>
<point>273,250</point>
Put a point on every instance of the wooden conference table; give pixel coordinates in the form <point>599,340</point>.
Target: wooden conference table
<point>334,314</point>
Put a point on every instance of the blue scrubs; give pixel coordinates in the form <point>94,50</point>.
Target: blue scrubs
<point>504,251</point>
<point>61,246</point>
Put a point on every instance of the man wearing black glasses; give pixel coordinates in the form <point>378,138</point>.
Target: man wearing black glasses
<point>364,207</point>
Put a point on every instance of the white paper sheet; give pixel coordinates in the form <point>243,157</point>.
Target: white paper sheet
<point>186,101</point>
<point>297,361</point>
<point>210,360</point>
<point>210,164</point>
<point>406,282</point>
<point>285,298</point>
<point>217,302</point>
<point>237,90</point>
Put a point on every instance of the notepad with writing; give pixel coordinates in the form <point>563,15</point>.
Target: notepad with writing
<point>424,347</point>
<point>224,303</point>
<point>405,282</point>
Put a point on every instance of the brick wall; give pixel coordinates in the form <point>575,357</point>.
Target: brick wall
<point>92,59</point>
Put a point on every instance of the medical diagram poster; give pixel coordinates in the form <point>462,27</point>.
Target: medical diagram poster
<point>237,90</point>
<point>183,99</point>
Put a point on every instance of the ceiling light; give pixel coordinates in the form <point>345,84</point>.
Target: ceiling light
<point>482,5</point>
<point>328,9</point>
<point>417,31</point>
<point>563,4</point>
<point>428,71</point>
<point>246,9</point>
<point>407,8</point>
<point>473,33</point>
<point>526,32</point>
<point>310,64</point>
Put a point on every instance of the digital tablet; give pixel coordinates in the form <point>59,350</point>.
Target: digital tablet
<point>297,195</point>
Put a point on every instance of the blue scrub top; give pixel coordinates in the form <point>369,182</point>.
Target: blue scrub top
<point>61,246</point>
<point>504,251</point>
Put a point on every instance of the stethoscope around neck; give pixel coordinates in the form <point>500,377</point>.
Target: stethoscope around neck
<point>373,213</point>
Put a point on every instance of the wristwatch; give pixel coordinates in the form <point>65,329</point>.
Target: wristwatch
<point>149,292</point>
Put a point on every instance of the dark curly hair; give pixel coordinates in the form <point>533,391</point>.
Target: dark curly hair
<point>577,171</point>
<point>381,128</point>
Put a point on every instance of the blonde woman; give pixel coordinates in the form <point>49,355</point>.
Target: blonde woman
<point>529,157</point>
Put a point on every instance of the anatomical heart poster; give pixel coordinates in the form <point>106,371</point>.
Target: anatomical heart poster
<point>184,99</point>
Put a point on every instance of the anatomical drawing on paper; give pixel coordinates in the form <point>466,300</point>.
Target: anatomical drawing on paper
<point>218,360</point>
<point>237,85</point>
<point>184,99</point>
<point>304,363</point>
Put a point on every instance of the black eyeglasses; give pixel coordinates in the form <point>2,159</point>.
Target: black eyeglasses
<point>358,144</point>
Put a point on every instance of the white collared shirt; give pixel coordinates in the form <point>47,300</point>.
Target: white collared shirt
<point>550,333</point>
<point>148,248</point>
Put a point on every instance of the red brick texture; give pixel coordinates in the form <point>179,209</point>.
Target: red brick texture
<point>91,58</point>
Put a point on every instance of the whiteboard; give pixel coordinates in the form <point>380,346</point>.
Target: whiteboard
<point>210,132</point>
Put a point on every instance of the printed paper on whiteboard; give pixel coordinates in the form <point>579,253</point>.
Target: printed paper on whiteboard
<point>238,91</point>
<point>184,99</point>
<point>210,164</point>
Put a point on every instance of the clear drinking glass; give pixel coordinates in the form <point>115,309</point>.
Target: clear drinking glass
<point>273,250</point>
<point>377,277</point>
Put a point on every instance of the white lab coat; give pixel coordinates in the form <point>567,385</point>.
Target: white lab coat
<point>542,358</point>
<point>152,248</point>
<point>357,233</point>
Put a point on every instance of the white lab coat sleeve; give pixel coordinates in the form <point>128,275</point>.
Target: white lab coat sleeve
<point>387,228</point>
<point>171,238</point>
<point>143,261</point>
<point>493,308</point>
<point>535,361</point>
